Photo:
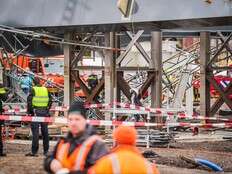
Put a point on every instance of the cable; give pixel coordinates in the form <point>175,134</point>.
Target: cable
<point>37,36</point>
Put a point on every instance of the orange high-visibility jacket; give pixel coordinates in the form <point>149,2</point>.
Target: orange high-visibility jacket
<point>123,160</point>
<point>76,160</point>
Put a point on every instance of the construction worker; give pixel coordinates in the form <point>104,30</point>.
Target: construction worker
<point>92,81</point>
<point>2,96</point>
<point>135,101</point>
<point>26,82</point>
<point>80,149</point>
<point>125,158</point>
<point>38,104</point>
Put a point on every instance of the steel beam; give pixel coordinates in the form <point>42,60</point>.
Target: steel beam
<point>119,93</point>
<point>156,56</point>
<point>220,49</point>
<point>69,87</point>
<point>222,93</point>
<point>216,106</point>
<point>223,39</point>
<point>122,68</point>
<point>83,15</point>
<point>140,48</point>
<point>205,85</point>
<point>129,46</point>
<point>130,68</point>
<point>96,91</point>
<point>221,68</point>
<point>78,57</point>
<point>108,73</point>
<point>124,87</point>
<point>84,88</point>
<point>146,84</point>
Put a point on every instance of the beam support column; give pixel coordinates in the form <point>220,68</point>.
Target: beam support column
<point>205,85</point>
<point>156,59</point>
<point>68,80</point>
<point>109,71</point>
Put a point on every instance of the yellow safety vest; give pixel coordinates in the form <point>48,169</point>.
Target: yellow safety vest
<point>41,97</point>
<point>2,91</point>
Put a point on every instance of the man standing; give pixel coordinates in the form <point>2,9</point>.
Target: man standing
<point>38,104</point>
<point>26,82</point>
<point>80,149</point>
<point>2,96</point>
<point>125,157</point>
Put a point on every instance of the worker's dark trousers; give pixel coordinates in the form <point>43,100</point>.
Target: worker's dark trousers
<point>35,133</point>
<point>1,143</point>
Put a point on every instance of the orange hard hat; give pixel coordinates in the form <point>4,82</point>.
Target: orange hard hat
<point>125,135</point>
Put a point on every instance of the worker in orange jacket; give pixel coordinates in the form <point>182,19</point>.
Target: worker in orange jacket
<point>125,158</point>
<point>80,149</point>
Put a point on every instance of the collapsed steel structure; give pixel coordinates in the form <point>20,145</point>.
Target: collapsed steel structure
<point>76,27</point>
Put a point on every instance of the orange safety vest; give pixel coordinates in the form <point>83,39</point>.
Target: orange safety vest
<point>116,168</point>
<point>77,159</point>
<point>123,160</point>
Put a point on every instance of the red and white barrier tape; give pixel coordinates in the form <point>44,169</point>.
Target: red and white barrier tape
<point>197,117</point>
<point>57,108</point>
<point>62,120</point>
<point>134,107</point>
<point>159,111</point>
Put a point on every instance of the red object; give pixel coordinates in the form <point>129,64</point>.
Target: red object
<point>222,81</point>
<point>195,131</point>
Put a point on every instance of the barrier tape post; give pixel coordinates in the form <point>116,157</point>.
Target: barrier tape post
<point>148,130</point>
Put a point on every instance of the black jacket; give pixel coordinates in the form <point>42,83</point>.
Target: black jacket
<point>98,150</point>
<point>29,101</point>
<point>1,108</point>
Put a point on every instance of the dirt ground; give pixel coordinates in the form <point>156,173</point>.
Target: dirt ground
<point>168,160</point>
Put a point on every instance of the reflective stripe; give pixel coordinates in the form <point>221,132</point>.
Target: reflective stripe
<point>115,164</point>
<point>149,167</point>
<point>62,149</point>
<point>83,152</point>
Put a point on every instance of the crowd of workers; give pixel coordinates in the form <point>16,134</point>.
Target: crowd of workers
<point>82,151</point>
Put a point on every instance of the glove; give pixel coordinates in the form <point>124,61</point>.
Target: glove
<point>63,171</point>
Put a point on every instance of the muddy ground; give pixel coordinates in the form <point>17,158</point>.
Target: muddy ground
<point>168,159</point>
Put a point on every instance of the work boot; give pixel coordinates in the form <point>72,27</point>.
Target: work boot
<point>31,154</point>
<point>2,154</point>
